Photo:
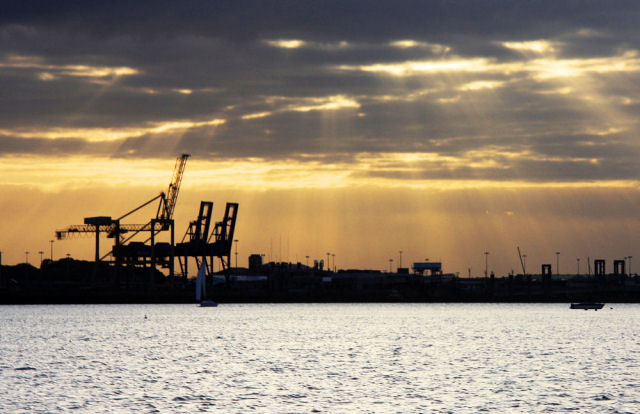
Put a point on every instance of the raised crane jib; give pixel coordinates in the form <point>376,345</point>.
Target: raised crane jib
<point>174,187</point>
<point>524,271</point>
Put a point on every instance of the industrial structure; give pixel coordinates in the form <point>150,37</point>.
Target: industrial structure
<point>198,242</point>
<point>433,268</point>
<point>204,246</point>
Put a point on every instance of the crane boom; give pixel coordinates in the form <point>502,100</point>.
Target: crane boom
<point>174,187</point>
<point>524,271</point>
<point>87,229</point>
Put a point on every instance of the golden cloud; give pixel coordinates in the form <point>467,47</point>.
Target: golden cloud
<point>51,71</point>
<point>108,134</point>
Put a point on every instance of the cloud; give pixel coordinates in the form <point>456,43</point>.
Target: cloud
<point>286,43</point>
<point>532,92</point>
<point>352,18</point>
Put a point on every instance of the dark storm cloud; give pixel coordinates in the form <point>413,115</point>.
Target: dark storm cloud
<point>138,67</point>
<point>360,20</point>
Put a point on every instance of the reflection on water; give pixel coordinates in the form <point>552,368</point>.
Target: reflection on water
<point>319,358</point>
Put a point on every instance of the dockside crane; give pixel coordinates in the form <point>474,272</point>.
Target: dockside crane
<point>223,236</point>
<point>203,245</point>
<point>163,221</point>
<point>164,214</point>
<point>174,188</point>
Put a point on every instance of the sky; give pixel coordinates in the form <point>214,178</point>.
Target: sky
<point>442,129</point>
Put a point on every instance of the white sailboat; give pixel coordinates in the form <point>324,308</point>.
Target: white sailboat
<point>201,288</point>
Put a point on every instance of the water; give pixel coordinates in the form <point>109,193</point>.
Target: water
<point>332,358</point>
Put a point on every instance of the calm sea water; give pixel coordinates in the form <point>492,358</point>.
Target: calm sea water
<point>332,358</point>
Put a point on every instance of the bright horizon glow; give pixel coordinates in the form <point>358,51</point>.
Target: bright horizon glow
<point>436,222</point>
<point>262,175</point>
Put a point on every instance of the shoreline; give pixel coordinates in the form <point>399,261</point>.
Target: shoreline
<point>79,282</point>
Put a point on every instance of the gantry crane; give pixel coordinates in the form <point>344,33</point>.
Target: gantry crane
<point>115,229</point>
<point>204,246</point>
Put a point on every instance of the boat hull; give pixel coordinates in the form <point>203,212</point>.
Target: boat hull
<point>587,306</point>
<point>208,304</point>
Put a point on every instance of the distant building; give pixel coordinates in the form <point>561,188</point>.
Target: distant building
<point>255,262</point>
<point>431,268</point>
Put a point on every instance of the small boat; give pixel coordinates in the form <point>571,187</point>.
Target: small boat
<point>587,305</point>
<point>208,303</point>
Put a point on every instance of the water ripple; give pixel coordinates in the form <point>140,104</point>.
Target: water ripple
<point>319,358</point>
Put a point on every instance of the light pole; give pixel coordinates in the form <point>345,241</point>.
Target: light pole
<point>333,256</point>
<point>578,272</point>
<point>390,261</point>
<point>328,263</point>
<point>307,260</point>
<point>27,257</point>
<point>400,262</point>
<point>51,243</point>
<point>41,253</point>
<point>630,265</point>
<point>486,264</point>
<point>558,263</point>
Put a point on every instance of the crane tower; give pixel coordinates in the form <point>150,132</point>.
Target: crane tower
<point>137,252</point>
